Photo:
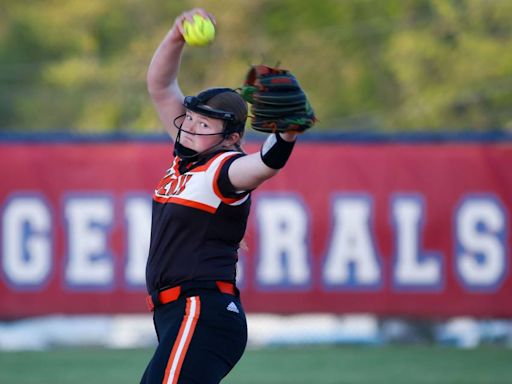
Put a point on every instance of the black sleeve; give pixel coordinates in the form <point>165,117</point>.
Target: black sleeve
<point>225,187</point>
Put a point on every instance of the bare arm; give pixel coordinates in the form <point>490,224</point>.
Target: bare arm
<point>248,172</point>
<point>162,75</point>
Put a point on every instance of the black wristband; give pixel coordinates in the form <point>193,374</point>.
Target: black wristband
<point>276,151</point>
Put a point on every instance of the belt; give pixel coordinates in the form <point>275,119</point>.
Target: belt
<point>169,295</point>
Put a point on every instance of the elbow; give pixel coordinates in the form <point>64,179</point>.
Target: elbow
<point>155,84</point>
<point>159,90</point>
<point>152,85</point>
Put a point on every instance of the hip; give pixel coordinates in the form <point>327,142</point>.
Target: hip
<point>212,311</point>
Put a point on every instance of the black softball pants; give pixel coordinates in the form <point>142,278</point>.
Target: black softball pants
<point>201,336</point>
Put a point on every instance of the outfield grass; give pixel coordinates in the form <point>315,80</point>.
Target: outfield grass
<point>311,365</point>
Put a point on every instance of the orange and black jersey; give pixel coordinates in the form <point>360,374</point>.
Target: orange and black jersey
<point>198,221</point>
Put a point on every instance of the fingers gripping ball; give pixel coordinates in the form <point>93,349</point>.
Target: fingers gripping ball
<point>200,32</point>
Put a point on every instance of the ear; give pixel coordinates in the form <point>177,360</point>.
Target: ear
<point>232,139</point>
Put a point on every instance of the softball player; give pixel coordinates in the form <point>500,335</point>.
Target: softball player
<point>200,211</point>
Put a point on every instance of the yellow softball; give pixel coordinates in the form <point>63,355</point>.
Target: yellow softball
<point>198,33</point>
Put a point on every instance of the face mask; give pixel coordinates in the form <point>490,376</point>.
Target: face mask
<point>187,154</point>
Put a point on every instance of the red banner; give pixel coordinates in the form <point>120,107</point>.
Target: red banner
<point>413,229</point>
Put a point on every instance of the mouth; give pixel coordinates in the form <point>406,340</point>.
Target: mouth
<point>186,138</point>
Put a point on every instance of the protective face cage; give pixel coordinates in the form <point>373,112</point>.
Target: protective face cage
<point>198,104</point>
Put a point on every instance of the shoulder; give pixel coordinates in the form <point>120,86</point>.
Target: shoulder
<point>224,158</point>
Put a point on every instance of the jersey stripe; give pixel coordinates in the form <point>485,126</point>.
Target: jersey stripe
<point>200,168</point>
<point>185,186</point>
<point>185,202</point>
<point>224,199</point>
<point>205,166</point>
<point>179,350</point>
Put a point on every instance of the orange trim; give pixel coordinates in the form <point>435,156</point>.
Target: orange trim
<point>169,295</point>
<point>193,204</point>
<point>226,200</point>
<point>149,303</point>
<point>200,168</point>
<point>188,203</point>
<point>205,166</point>
<point>164,297</point>
<point>182,342</point>
<point>175,167</point>
<point>172,294</point>
<point>161,199</point>
<point>189,337</point>
<point>226,287</point>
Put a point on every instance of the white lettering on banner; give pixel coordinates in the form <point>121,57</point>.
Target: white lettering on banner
<point>283,249</point>
<point>26,241</point>
<point>352,259</point>
<point>137,212</point>
<point>481,259</point>
<point>284,257</point>
<point>89,262</point>
<point>412,268</point>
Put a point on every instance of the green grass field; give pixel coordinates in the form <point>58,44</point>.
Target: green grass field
<point>311,365</point>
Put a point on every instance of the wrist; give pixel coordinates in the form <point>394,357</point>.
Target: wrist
<point>175,36</point>
<point>288,136</point>
<point>276,151</point>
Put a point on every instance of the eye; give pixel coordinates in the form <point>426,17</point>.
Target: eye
<point>188,117</point>
<point>203,125</point>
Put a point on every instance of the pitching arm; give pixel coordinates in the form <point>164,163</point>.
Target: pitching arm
<point>162,74</point>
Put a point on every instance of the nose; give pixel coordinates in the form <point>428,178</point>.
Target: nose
<point>189,126</point>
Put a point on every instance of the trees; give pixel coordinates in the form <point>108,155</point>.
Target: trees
<point>366,64</point>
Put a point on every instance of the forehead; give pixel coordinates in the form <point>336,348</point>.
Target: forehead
<point>208,119</point>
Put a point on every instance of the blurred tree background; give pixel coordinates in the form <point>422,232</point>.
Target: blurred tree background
<point>373,65</point>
